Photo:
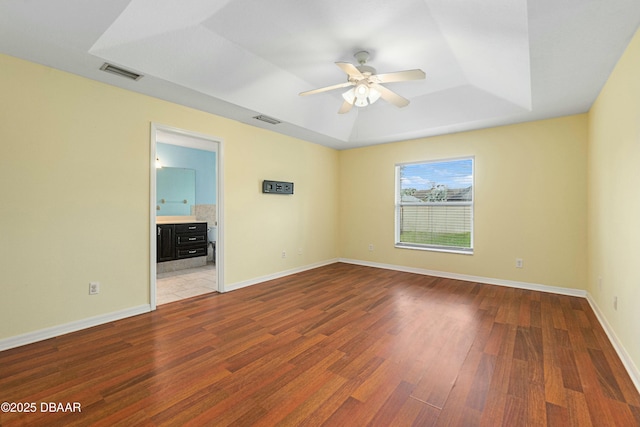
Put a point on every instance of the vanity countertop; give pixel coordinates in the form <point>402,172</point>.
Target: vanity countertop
<point>177,220</point>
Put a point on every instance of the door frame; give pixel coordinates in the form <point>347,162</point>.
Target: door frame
<point>185,138</point>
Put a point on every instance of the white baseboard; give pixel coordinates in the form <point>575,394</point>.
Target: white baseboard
<point>486,280</point>
<point>255,281</point>
<point>66,328</point>
<point>54,331</point>
<point>631,368</point>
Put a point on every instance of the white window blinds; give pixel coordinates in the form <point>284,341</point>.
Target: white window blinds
<point>434,205</point>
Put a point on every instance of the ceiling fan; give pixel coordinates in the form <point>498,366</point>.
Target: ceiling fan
<point>367,85</point>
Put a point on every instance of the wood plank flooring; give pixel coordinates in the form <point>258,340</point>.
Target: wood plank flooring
<point>341,345</point>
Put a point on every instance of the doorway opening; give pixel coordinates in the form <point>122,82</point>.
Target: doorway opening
<point>186,233</point>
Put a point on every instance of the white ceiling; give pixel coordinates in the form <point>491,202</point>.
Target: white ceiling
<point>488,62</point>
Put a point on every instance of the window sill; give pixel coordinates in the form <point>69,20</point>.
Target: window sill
<point>460,251</point>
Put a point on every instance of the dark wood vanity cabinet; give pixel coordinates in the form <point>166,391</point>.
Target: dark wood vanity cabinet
<point>178,241</point>
<point>191,240</point>
<point>165,245</point>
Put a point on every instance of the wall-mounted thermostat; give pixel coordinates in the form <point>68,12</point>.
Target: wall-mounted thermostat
<point>277,187</point>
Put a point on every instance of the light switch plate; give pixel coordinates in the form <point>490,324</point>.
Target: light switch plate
<point>277,187</point>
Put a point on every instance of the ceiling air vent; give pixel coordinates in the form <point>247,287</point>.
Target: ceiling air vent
<point>267,119</point>
<point>120,71</point>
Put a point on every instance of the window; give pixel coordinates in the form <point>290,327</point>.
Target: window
<point>434,205</point>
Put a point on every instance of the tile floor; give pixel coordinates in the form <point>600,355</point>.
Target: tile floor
<point>176,285</point>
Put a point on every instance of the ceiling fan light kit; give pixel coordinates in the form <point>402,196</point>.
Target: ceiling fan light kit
<point>361,95</point>
<point>366,85</point>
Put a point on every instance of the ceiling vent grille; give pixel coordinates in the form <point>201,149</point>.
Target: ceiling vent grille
<point>267,119</point>
<point>109,68</point>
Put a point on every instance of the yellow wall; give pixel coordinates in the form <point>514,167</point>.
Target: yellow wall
<point>258,227</point>
<point>614,200</point>
<point>74,199</point>
<point>530,202</point>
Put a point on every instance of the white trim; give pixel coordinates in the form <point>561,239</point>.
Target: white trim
<point>220,253</point>
<point>399,204</point>
<point>185,138</point>
<point>418,247</point>
<point>631,368</point>
<point>66,328</point>
<point>257,280</point>
<point>477,279</point>
<point>77,325</point>
<point>174,136</point>
<point>152,217</point>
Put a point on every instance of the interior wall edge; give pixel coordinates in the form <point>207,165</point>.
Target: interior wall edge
<point>631,367</point>
<point>278,275</point>
<point>52,332</point>
<point>66,328</point>
<point>477,279</point>
<point>58,330</point>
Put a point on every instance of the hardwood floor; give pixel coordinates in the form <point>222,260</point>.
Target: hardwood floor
<point>341,345</point>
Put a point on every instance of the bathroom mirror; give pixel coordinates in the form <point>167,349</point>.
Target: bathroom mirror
<point>175,191</point>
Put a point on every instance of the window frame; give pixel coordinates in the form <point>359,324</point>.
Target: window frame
<point>398,206</point>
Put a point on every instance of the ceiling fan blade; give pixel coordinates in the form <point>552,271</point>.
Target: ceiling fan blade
<point>391,97</point>
<point>350,69</point>
<point>400,76</point>
<point>345,108</point>
<point>325,89</point>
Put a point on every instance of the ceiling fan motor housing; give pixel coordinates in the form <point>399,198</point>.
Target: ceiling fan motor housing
<point>362,57</point>
<point>366,70</point>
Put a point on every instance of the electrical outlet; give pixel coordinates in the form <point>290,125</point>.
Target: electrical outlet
<point>371,246</point>
<point>599,283</point>
<point>615,302</point>
<point>299,251</point>
<point>94,288</point>
<point>284,254</point>
<point>519,263</point>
